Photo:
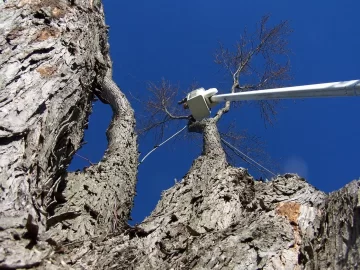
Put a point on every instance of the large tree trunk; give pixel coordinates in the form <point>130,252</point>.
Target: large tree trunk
<point>219,217</point>
<point>53,59</point>
<point>53,56</point>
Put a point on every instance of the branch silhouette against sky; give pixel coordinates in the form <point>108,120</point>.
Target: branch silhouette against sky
<point>318,139</point>
<point>259,60</point>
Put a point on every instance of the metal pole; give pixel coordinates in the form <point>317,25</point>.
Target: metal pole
<point>334,89</point>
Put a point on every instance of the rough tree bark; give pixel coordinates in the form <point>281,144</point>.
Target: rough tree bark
<point>53,60</point>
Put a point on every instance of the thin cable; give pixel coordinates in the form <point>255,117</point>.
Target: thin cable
<point>249,158</point>
<point>157,146</point>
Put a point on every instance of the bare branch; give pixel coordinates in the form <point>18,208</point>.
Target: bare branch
<point>261,60</point>
<point>160,108</point>
<point>258,61</point>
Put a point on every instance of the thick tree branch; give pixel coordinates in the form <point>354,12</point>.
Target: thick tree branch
<point>114,177</point>
<point>50,69</point>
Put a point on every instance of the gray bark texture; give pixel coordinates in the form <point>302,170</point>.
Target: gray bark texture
<point>53,61</point>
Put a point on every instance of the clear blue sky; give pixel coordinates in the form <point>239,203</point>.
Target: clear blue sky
<point>318,139</point>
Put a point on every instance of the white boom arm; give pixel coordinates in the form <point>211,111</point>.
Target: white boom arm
<point>200,100</point>
<point>335,89</point>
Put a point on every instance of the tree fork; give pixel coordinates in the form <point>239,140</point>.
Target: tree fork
<point>52,56</point>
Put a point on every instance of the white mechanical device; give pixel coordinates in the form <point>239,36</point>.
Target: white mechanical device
<point>200,100</point>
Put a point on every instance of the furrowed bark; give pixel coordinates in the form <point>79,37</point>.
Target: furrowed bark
<point>102,195</point>
<point>219,217</point>
<point>223,219</point>
<point>52,56</point>
<point>337,244</point>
